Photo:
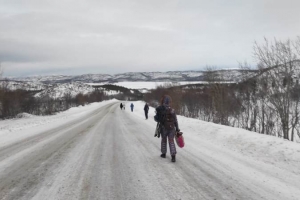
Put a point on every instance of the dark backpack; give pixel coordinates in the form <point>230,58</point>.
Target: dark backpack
<point>169,120</point>
<point>160,114</point>
<point>164,117</point>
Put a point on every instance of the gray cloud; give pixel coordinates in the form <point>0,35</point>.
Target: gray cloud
<point>97,36</point>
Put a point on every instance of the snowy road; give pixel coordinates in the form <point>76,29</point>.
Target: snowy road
<point>112,154</point>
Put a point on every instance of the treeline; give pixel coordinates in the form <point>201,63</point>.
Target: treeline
<point>13,102</point>
<point>268,103</point>
<point>122,93</point>
<point>244,105</point>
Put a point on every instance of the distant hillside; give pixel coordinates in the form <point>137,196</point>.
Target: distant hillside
<point>57,86</point>
<point>172,76</point>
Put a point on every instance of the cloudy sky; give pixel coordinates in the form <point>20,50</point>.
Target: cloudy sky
<point>40,37</point>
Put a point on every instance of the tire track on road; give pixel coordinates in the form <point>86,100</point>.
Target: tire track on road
<point>23,174</point>
<point>11,149</point>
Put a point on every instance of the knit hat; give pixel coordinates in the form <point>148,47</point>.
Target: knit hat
<point>166,100</point>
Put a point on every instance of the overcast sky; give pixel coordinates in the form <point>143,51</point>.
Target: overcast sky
<point>40,37</point>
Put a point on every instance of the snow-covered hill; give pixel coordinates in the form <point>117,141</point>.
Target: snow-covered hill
<point>56,86</point>
<point>172,76</point>
<point>59,90</point>
<point>23,85</point>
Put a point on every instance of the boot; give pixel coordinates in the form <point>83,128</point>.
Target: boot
<point>173,158</point>
<point>163,155</point>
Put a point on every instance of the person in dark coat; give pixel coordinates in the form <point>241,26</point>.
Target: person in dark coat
<point>169,127</point>
<point>121,106</point>
<point>131,106</point>
<point>146,109</point>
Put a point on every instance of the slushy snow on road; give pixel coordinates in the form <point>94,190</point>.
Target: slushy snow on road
<point>99,151</point>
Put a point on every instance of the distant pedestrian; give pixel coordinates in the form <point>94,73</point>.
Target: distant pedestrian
<point>131,106</point>
<point>121,106</point>
<point>146,109</point>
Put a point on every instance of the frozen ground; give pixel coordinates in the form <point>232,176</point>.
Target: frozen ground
<point>101,152</point>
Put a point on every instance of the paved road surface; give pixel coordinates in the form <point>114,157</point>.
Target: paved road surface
<point>111,154</point>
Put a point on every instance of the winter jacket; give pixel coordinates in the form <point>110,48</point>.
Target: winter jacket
<point>146,108</point>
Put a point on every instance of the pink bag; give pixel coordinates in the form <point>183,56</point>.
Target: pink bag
<point>179,140</point>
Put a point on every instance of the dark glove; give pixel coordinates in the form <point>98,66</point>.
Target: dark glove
<point>179,134</point>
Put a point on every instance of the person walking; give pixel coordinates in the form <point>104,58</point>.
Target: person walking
<point>121,106</point>
<point>167,119</point>
<point>146,109</point>
<point>131,106</point>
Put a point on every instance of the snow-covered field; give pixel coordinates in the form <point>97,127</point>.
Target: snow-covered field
<point>101,152</point>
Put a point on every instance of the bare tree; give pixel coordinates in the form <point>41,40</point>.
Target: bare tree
<point>278,63</point>
<point>219,94</point>
<point>67,99</point>
<point>296,112</point>
<point>211,75</point>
